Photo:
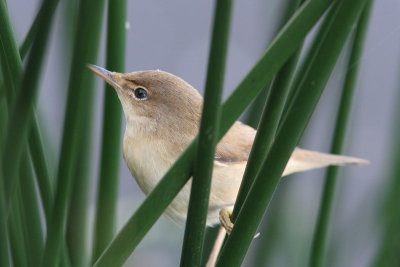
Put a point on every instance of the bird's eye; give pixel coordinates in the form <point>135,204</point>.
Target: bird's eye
<point>140,93</point>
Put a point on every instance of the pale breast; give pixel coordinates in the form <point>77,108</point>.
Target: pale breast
<point>146,160</point>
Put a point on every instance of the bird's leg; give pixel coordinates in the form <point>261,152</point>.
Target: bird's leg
<point>216,248</point>
<point>226,221</point>
<point>225,218</point>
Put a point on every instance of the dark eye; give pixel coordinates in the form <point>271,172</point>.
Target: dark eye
<point>140,93</point>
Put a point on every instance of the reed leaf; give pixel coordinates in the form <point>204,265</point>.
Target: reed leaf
<point>267,128</point>
<point>388,216</point>
<point>319,64</point>
<point>12,73</point>
<point>17,240</point>
<point>26,44</point>
<point>111,140</point>
<point>77,221</point>
<point>20,115</point>
<point>203,166</point>
<point>156,202</point>
<point>35,146</point>
<point>14,67</point>
<point>85,50</point>
<point>30,213</point>
<point>39,162</point>
<point>321,229</point>
<point>282,81</point>
<point>253,116</point>
<point>4,245</point>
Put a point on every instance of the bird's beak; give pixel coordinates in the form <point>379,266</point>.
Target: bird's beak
<point>103,73</point>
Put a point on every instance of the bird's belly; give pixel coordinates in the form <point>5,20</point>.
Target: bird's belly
<point>148,166</point>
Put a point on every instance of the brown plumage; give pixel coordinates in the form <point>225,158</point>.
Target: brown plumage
<point>163,113</point>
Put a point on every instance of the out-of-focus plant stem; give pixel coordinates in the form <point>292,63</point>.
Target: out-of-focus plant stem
<point>111,136</point>
<point>80,94</point>
<point>321,229</point>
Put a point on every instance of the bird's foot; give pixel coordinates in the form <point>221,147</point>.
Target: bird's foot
<point>225,215</point>
<point>225,219</point>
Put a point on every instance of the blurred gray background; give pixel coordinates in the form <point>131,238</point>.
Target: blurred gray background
<point>174,36</point>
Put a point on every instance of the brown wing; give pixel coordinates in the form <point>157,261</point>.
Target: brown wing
<point>235,146</point>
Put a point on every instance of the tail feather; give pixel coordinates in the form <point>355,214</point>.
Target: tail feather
<point>303,160</point>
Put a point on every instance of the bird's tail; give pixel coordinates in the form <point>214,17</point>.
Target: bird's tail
<point>303,160</point>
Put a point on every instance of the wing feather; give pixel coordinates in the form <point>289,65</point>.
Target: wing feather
<point>235,146</point>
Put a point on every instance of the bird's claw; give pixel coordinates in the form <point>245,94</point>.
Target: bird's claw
<point>225,219</point>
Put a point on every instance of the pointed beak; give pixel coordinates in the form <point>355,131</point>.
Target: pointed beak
<point>103,73</point>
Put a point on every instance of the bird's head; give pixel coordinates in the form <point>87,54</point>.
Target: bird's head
<point>155,102</point>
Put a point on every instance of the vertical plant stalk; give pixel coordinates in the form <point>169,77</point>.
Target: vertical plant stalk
<point>388,215</point>
<point>256,108</point>
<point>38,158</point>
<point>5,30</point>
<point>267,128</point>
<point>203,165</point>
<point>40,166</point>
<point>30,213</point>
<point>270,230</point>
<point>26,44</point>
<point>12,73</point>
<point>111,136</point>
<point>4,255</point>
<point>77,224</point>
<point>85,50</point>
<point>12,145</point>
<point>320,235</point>
<point>34,139</point>
<point>322,59</point>
<point>20,115</point>
<point>17,241</point>
<point>77,221</point>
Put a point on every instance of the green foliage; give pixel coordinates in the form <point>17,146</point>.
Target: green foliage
<point>110,154</point>
<point>320,235</point>
<point>319,63</point>
<point>204,161</point>
<point>64,199</point>
<point>78,107</point>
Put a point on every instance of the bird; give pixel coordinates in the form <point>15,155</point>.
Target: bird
<point>163,113</point>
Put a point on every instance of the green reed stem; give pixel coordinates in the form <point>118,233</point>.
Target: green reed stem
<point>388,215</point>
<point>85,50</point>
<point>321,230</point>
<point>41,168</point>
<point>20,115</point>
<point>26,44</point>
<point>203,165</point>
<point>111,135</point>
<point>30,212</point>
<point>15,230</point>
<point>322,58</point>
<point>4,246</point>
<point>256,108</point>
<point>267,128</point>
